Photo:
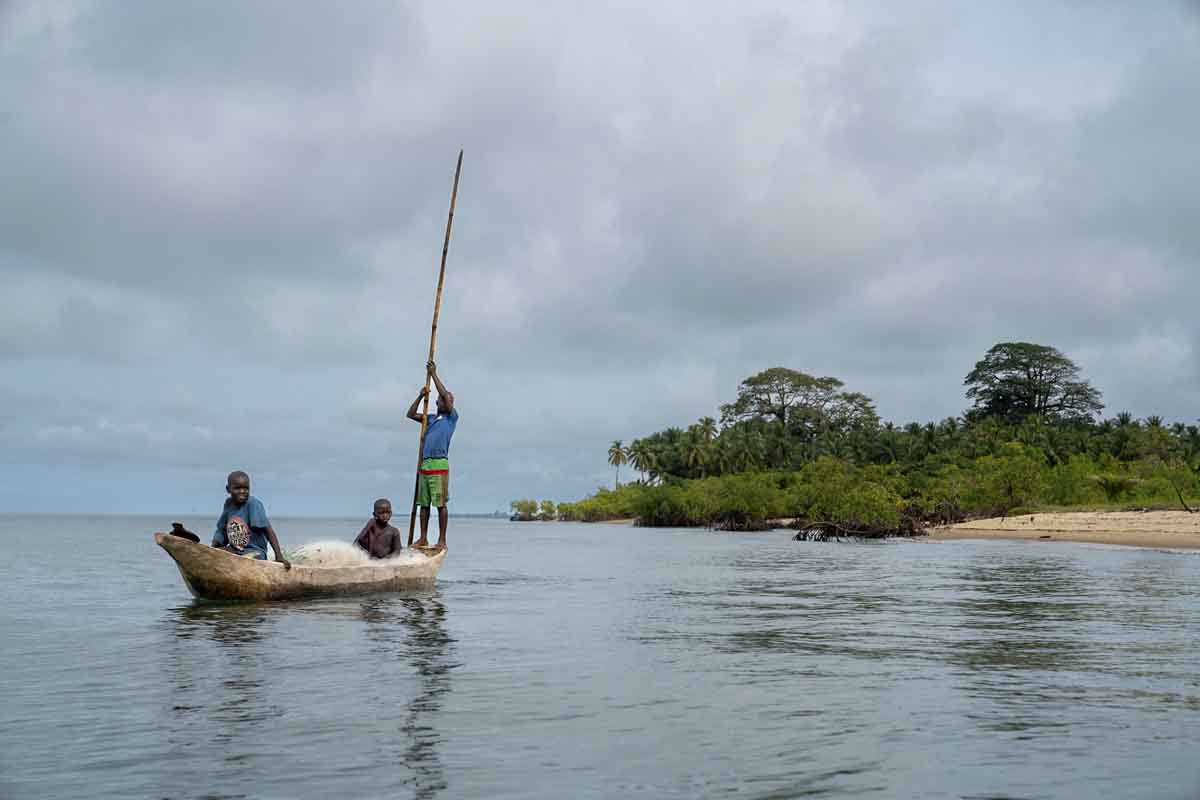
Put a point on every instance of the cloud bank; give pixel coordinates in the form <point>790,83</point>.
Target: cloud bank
<point>221,225</point>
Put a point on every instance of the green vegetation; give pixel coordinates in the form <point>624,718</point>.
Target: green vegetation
<point>793,445</point>
<point>529,510</point>
<point>524,509</point>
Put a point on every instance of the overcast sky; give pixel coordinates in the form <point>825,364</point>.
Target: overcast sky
<point>220,226</point>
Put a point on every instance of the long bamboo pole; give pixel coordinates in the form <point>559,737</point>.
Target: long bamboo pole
<point>437,308</point>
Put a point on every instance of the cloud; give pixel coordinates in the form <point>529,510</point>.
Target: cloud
<point>221,232</point>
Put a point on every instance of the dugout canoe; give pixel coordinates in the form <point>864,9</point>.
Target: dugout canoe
<point>213,574</point>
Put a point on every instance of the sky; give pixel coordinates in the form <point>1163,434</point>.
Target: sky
<point>221,224</point>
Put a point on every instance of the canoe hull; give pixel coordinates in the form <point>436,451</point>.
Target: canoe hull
<point>212,574</point>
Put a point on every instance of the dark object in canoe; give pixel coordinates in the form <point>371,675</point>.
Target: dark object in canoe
<point>177,529</point>
<point>214,574</point>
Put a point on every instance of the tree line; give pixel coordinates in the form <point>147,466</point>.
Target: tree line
<point>528,510</point>
<point>796,445</point>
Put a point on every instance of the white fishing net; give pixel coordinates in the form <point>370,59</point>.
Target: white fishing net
<point>334,553</point>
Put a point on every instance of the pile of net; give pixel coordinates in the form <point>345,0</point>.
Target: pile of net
<point>333,553</point>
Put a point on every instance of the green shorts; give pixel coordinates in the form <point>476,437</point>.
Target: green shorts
<point>433,483</point>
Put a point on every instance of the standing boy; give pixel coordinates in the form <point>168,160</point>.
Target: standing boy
<point>378,538</point>
<point>433,480</point>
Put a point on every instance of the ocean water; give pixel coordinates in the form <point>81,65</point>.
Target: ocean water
<point>595,661</point>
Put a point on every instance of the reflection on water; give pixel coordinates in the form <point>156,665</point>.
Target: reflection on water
<point>1022,614</point>
<point>234,686</point>
<point>222,665</point>
<point>412,629</point>
<point>807,606</point>
<point>1019,643</point>
<point>597,661</point>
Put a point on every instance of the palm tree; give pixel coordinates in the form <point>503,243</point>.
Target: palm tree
<point>779,448</point>
<point>722,457</point>
<point>744,448</point>
<point>1191,440</point>
<point>889,441</point>
<point>695,453</point>
<point>707,428</point>
<point>643,458</point>
<point>617,455</point>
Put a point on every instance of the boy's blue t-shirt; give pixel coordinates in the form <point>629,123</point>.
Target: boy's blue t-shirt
<point>438,433</point>
<point>253,515</point>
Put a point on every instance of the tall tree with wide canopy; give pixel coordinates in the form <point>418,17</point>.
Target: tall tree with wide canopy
<point>780,394</point>
<point>806,412</point>
<point>1018,379</point>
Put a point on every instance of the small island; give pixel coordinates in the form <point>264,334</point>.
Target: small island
<point>797,450</point>
<point>533,511</point>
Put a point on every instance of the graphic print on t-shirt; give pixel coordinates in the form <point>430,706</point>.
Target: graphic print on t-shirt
<point>237,532</point>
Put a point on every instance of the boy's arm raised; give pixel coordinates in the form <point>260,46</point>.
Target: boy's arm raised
<point>413,414</point>
<point>441,387</point>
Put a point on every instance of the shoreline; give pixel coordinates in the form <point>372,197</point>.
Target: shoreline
<point>1173,530</point>
<point>1154,529</point>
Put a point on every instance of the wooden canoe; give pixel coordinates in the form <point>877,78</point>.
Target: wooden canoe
<point>213,574</point>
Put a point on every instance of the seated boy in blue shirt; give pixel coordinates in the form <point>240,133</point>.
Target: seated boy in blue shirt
<point>243,528</point>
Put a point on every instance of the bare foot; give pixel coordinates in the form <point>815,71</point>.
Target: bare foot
<point>422,542</point>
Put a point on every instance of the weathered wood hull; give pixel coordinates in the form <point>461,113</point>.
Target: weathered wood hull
<point>213,574</point>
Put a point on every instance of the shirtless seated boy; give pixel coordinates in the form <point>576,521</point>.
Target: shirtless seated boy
<point>378,538</point>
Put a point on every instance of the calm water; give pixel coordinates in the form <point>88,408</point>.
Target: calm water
<point>564,661</point>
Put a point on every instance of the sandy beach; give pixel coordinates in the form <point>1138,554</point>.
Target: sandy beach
<point>1176,529</point>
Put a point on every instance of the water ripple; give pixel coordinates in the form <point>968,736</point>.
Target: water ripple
<point>601,661</point>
